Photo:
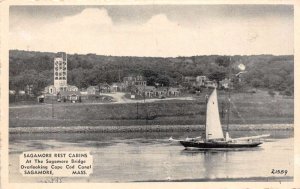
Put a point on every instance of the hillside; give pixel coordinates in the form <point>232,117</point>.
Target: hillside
<point>263,71</point>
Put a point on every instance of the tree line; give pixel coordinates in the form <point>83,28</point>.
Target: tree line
<point>262,71</point>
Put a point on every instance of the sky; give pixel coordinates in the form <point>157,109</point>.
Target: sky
<point>154,30</point>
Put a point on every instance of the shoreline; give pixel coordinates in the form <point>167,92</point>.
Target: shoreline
<point>144,128</point>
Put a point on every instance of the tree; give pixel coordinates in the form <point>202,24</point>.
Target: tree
<point>271,93</point>
<point>256,83</point>
<point>163,80</point>
<point>223,61</point>
<point>217,75</point>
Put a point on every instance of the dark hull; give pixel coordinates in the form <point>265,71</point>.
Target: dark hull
<point>208,145</point>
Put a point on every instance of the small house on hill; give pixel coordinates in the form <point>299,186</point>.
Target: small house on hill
<point>173,91</point>
<point>161,92</point>
<point>92,90</point>
<point>147,91</point>
<point>69,95</point>
<point>117,87</point>
<point>105,88</point>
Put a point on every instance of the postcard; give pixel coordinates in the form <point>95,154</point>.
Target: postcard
<point>149,94</point>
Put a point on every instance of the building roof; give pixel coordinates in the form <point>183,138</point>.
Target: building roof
<point>162,89</point>
<point>146,88</point>
<point>95,87</point>
<point>72,86</point>
<point>118,84</point>
<point>69,93</point>
<point>174,89</point>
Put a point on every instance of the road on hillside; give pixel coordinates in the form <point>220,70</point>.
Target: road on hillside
<point>120,98</point>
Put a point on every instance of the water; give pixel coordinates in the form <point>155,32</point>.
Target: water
<point>129,157</point>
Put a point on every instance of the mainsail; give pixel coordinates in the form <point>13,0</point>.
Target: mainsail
<point>213,123</point>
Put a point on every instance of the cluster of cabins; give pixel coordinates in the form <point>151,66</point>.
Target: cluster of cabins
<point>203,81</point>
<point>135,85</point>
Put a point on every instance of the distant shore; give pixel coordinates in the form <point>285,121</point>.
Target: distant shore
<point>143,128</point>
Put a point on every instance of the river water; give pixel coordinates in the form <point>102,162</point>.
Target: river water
<point>149,156</point>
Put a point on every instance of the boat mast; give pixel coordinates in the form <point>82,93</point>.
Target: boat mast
<point>205,114</point>
<point>229,85</point>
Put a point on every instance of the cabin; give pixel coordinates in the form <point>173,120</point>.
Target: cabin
<point>92,90</point>
<point>161,92</point>
<point>173,91</point>
<point>211,84</point>
<point>117,87</point>
<point>73,96</point>
<point>133,81</point>
<point>12,92</point>
<point>140,80</point>
<point>29,90</point>
<point>147,91</point>
<point>224,84</point>
<point>50,89</point>
<point>189,79</point>
<point>72,88</point>
<point>104,88</point>
<point>200,80</point>
<point>22,93</point>
<point>41,99</point>
<point>129,81</point>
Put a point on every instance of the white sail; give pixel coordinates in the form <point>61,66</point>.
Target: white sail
<point>213,123</point>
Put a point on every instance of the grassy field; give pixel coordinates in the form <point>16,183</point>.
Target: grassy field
<point>247,108</point>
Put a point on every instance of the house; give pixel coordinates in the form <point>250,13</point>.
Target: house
<point>161,92</point>
<point>140,80</point>
<point>211,84</point>
<point>41,99</point>
<point>200,80</point>
<point>145,91</point>
<point>69,95</point>
<point>239,76</point>
<point>129,81</point>
<point>173,91</point>
<point>29,90</point>
<point>149,91</point>
<point>21,93</point>
<point>83,92</point>
<point>134,80</point>
<point>12,92</point>
<point>117,87</point>
<point>92,90</point>
<point>51,89</point>
<point>72,88</point>
<point>189,79</point>
<point>104,88</point>
<point>224,84</point>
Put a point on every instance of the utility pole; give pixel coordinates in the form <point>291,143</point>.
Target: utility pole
<point>222,107</point>
<point>137,110</point>
<point>52,107</point>
<point>144,94</point>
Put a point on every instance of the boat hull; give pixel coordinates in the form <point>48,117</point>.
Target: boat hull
<point>208,145</point>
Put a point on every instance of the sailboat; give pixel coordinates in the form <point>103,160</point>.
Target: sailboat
<point>214,136</point>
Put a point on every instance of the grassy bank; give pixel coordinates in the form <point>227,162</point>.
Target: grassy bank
<point>246,109</point>
<point>145,128</point>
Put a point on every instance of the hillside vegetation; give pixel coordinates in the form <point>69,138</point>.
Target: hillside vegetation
<point>273,73</point>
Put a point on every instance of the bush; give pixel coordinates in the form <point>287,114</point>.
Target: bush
<point>271,93</point>
<point>288,93</point>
